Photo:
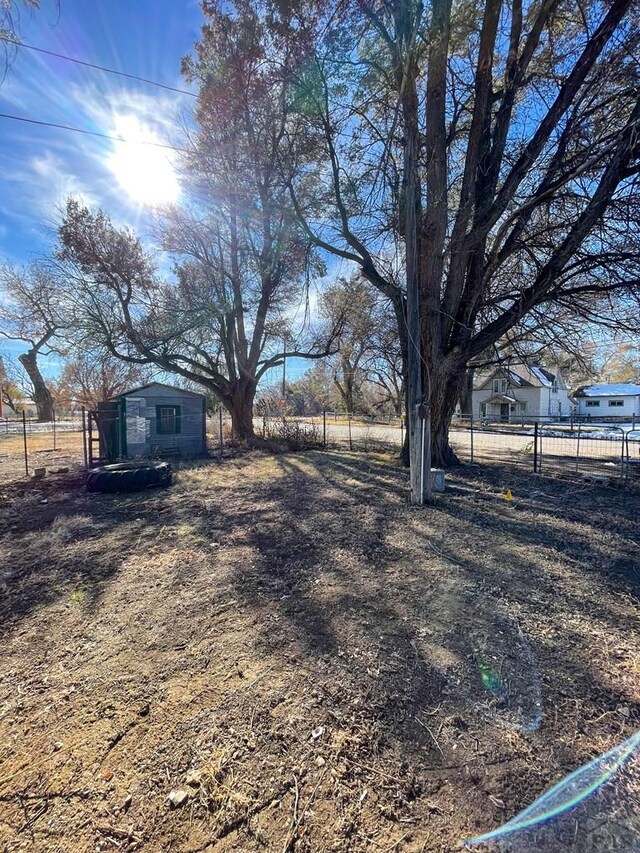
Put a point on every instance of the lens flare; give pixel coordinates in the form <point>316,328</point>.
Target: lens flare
<point>597,807</point>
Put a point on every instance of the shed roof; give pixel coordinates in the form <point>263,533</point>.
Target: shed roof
<point>618,389</point>
<point>157,385</point>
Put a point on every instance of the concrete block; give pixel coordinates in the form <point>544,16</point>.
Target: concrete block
<point>437,479</point>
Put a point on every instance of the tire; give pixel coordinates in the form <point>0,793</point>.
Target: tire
<point>128,477</point>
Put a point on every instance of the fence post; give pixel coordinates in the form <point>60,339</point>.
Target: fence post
<point>24,437</point>
<point>53,414</point>
<point>220,443</point>
<point>84,439</point>
<point>578,450</point>
<point>350,442</point>
<point>324,429</point>
<point>535,447</point>
<point>471,428</point>
<point>401,433</point>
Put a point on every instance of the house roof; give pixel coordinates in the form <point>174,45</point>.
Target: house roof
<point>619,389</point>
<point>519,376</point>
<point>156,385</point>
<point>501,398</point>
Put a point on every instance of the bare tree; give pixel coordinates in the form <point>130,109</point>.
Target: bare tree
<point>10,384</point>
<point>94,376</point>
<point>188,326</point>
<point>30,312</point>
<point>368,347</point>
<point>490,152</point>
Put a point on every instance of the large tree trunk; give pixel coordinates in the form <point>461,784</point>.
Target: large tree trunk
<point>446,386</point>
<point>41,394</point>
<point>240,406</point>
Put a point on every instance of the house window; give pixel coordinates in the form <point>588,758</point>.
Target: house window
<point>499,386</point>
<point>523,408</point>
<point>592,404</point>
<point>483,410</point>
<point>616,402</point>
<point>168,420</point>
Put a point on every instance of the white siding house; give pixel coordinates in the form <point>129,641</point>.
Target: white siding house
<point>621,400</point>
<point>516,391</point>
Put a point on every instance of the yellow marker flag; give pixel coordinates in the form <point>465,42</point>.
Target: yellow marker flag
<point>508,496</point>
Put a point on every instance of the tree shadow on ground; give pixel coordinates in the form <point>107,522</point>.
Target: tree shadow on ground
<point>411,611</point>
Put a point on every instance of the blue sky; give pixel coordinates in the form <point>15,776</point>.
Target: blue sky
<point>40,167</point>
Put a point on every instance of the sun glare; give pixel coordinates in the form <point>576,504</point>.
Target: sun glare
<point>145,173</point>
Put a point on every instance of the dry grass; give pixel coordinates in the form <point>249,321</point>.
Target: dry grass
<point>284,638</point>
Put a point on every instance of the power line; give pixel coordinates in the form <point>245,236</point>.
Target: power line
<point>97,67</point>
<point>93,133</point>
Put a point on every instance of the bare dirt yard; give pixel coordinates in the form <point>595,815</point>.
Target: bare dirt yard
<point>303,661</point>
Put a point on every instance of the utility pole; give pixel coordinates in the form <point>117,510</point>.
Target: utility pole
<point>417,421</point>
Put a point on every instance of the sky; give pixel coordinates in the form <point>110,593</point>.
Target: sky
<point>41,166</point>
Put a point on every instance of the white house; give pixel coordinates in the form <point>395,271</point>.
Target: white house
<point>515,391</point>
<point>621,400</point>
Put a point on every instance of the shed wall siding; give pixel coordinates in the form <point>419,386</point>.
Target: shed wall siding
<point>191,438</point>
<point>630,406</point>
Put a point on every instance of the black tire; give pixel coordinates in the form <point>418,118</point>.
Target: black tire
<point>128,477</point>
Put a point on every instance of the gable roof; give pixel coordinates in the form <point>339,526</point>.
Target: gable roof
<point>157,385</point>
<point>519,376</point>
<point>618,389</point>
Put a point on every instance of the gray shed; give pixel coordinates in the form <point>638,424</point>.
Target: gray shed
<point>153,420</point>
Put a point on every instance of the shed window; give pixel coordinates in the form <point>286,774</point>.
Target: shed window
<point>590,404</point>
<point>616,402</point>
<point>168,420</point>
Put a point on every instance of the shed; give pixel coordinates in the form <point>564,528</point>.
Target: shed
<point>153,420</point>
<point>620,400</point>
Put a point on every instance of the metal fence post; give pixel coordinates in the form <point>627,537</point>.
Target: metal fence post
<point>24,437</point>
<point>84,439</point>
<point>324,429</point>
<point>53,414</point>
<point>535,447</point>
<point>401,433</point>
<point>471,429</point>
<point>350,442</point>
<point>578,450</point>
<point>220,443</point>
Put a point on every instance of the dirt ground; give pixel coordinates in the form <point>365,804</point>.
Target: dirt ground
<point>305,661</point>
